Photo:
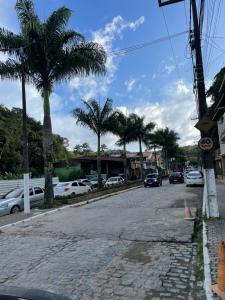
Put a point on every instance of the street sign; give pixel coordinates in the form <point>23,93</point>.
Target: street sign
<point>205,124</point>
<point>205,143</point>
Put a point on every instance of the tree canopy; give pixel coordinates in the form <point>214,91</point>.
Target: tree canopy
<point>11,147</point>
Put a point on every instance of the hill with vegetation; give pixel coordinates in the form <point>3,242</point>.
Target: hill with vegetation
<point>11,144</point>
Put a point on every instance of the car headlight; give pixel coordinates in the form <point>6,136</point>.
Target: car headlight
<point>145,180</point>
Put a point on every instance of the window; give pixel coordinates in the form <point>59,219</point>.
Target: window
<point>74,184</point>
<point>38,190</point>
<point>81,184</point>
<point>31,192</point>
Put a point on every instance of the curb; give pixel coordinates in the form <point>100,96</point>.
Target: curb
<point>207,275</point>
<point>68,206</point>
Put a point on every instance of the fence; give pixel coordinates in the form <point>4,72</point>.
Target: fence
<point>7,185</point>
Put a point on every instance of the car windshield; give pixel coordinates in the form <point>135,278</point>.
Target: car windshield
<point>113,179</point>
<point>152,176</point>
<point>176,174</point>
<point>13,194</point>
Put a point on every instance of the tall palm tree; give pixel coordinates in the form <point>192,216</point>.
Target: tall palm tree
<point>121,127</point>
<point>97,119</point>
<point>167,139</point>
<point>54,54</point>
<point>139,132</point>
<point>16,68</point>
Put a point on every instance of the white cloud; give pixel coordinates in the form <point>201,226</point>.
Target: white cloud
<point>92,86</point>
<point>175,112</point>
<point>169,69</point>
<point>130,84</point>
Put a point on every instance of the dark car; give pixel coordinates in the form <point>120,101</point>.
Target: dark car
<point>176,177</point>
<point>153,180</point>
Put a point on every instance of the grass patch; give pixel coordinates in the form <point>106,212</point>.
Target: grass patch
<point>72,199</point>
<point>198,239</point>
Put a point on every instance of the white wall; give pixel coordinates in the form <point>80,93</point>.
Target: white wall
<point>7,185</point>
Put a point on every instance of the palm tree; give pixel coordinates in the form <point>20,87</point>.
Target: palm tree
<point>97,119</point>
<point>16,68</point>
<point>121,127</point>
<point>167,139</point>
<point>139,132</point>
<point>54,54</point>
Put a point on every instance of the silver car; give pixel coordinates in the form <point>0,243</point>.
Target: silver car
<point>13,201</point>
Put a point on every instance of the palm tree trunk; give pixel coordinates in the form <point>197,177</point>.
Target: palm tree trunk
<point>47,149</point>
<point>125,162</point>
<point>99,163</point>
<point>141,160</point>
<point>25,149</point>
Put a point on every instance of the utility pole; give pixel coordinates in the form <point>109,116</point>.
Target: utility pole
<point>210,205</point>
<point>25,142</point>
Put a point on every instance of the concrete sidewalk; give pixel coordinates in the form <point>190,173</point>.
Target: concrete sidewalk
<point>216,233</point>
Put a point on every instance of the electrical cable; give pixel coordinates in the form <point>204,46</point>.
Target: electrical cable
<point>171,45</point>
<point>132,48</point>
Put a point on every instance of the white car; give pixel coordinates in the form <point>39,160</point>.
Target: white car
<point>194,178</point>
<point>71,187</point>
<point>94,182</point>
<point>86,181</point>
<point>114,181</point>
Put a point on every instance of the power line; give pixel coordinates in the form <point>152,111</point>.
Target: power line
<point>171,45</point>
<point>135,47</point>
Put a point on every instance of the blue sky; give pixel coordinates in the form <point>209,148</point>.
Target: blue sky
<point>152,81</point>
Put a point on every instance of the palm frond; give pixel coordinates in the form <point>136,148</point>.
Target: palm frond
<point>10,42</point>
<point>58,20</point>
<point>84,118</point>
<point>29,21</point>
<point>10,69</point>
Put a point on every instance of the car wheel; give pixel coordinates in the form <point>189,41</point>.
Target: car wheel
<point>15,209</point>
<point>170,182</point>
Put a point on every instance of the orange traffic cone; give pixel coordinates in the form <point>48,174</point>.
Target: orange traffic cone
<point>187,213</point>
<point>219,288</point>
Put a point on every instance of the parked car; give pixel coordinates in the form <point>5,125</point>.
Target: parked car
<point>94,182</point>
<point>86,181</point>
<point>153,180</point>
<point>13,201</point>
<point>114,181</point>
<point>176,177</point>
<point>71,187</point>
<point>195,178</point>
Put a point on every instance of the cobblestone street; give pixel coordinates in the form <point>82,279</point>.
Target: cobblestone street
<point>135,245</point>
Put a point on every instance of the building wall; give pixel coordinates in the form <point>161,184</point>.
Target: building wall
<point>221,133</point>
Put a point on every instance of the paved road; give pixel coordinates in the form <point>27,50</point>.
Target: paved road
<point>135,245</point>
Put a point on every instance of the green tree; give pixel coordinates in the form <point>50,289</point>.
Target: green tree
<point>140,131</point>
<point>77,149</point>
<point>214,90</point>
<point>103,148</point>
<point>53,54</point>
<point>11,159</point>
<point>97,119</point>
<point>121,127</point>
<point>167,139</point>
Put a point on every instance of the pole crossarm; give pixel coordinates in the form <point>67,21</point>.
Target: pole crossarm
<point>167,2</point>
